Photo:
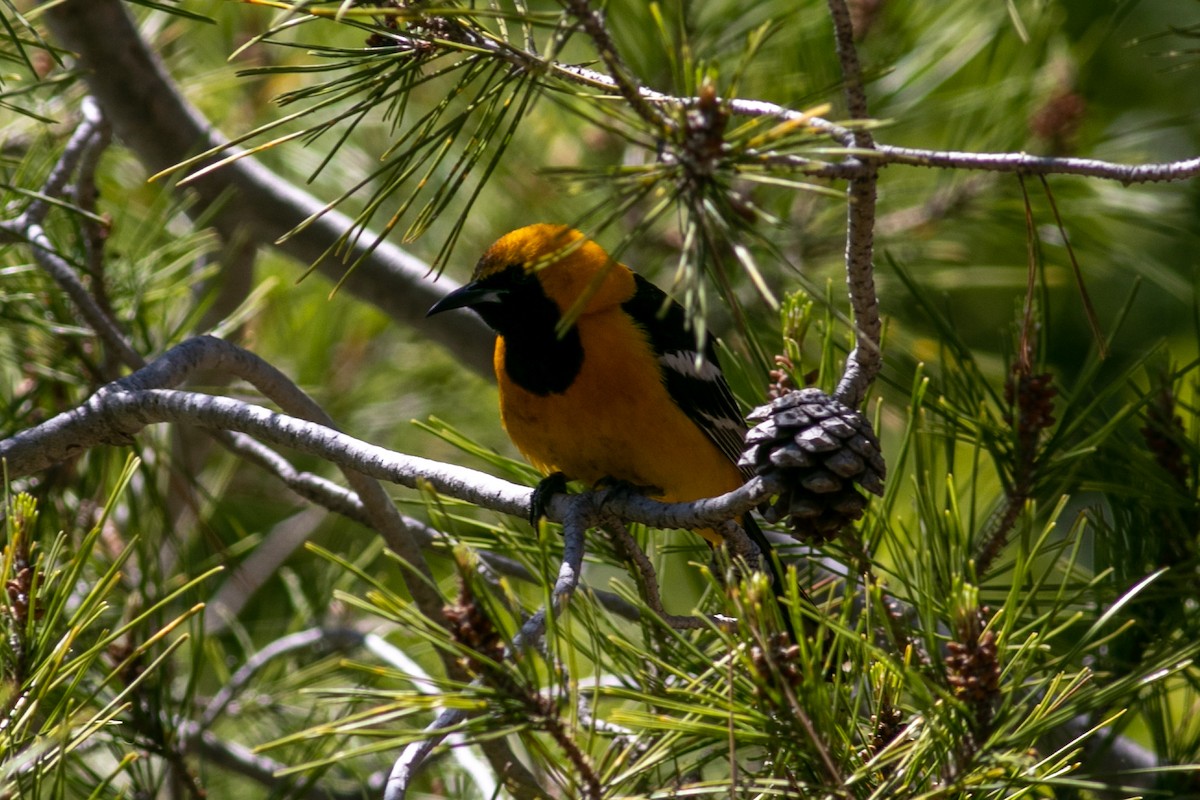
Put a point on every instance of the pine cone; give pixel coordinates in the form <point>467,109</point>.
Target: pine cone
<point>821,448</point>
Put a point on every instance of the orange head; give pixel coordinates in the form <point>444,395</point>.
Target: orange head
<point>540,271</point>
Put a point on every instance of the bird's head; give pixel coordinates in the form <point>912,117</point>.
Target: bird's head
<point>539,269</point>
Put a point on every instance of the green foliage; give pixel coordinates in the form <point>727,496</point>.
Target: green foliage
<point>82,671</point>
<point>1017,607</point>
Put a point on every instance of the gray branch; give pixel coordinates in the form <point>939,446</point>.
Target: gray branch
<point>120,410</point>
<point>865,360</point>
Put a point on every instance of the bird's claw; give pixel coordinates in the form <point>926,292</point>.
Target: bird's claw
<point>552,484</point>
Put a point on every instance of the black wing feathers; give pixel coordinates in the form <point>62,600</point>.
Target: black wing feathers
<point>703,395</point>
<point>701,391</point>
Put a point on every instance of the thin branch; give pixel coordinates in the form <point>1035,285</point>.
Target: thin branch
<point>326,638</point>
<point>120,410</point>
<point>215,354</point>
<point>1026,164</point>
<point>416,754</point>
<point>89,132</point>
<point>634,94</point>
<point>80,152</point>
<point>46,256</point>
<point>311,487</point>
<point>646,576</point>
<point>859,162</point>
<point>865,360</point>
<point>84,194</point>
<point>852,82</point>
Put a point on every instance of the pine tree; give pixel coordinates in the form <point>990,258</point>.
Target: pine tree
<point>1002,594</point>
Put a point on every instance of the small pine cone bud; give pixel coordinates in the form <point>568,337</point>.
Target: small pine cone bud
<point>18,589</point>
<point>822,450</point>
<point>781,377</point>
<point>889,722</point>
<point>973,664</point>
<point>1164,433</point>
<point>1032,397</point>
<point>973,669</point>
<point>471,628</point>
<point>783,654</point>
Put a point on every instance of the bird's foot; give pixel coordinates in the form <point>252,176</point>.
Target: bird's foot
<point>552,484</point>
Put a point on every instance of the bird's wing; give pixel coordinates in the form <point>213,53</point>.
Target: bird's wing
<point>695,384</point>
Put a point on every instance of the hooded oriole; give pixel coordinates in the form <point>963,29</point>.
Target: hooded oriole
<point>620,393</point>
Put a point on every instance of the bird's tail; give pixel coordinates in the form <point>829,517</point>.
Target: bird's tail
<point>774,567</point>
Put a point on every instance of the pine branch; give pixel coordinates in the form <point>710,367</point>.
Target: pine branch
<point>634,94</point>
<point>212,354</point>
<point>120,410</point>
<point>245,199</point>
<point>164,138</point>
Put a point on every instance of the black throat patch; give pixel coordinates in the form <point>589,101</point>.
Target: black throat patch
<point>535,357</point>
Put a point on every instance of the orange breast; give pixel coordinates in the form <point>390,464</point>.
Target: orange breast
<point>616,420</point>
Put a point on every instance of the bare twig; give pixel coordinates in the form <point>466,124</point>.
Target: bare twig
<point>327,638</point>
<point>852,82</point>
<point>864,361</point>
<point>81,150</point>
<point>47,257</point>
<point>860,160</point>
<point>413,756</point>
<point>84,194</point>
<point>1026,164</point>
<point>90,131</point>
<point>118,411</point>
<point>646,577</point>
<point>882,155</point>
<point>634,94</point>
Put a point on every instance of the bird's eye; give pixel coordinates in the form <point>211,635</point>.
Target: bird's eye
<point>518,276</point>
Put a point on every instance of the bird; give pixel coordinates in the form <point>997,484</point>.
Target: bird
<point>623,393</point>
